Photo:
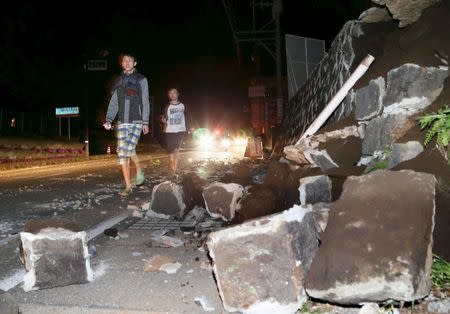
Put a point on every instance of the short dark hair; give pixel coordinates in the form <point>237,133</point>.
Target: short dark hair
<point>174,88</point>
<point>127,54</point>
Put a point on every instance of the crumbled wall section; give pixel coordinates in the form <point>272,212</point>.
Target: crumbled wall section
<point>319,89</point>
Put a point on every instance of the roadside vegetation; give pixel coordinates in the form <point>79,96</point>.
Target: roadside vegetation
<point>438,127</point>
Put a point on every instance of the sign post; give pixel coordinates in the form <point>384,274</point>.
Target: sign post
<point>66,112</point>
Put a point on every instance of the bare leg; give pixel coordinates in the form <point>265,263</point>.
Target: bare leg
<point>126,173</point>
<point>172,162</point>
<point>175,161</point>
<point>135,160</point>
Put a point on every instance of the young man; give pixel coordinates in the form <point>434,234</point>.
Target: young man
<point>130,102</point>
<point>174,119</point>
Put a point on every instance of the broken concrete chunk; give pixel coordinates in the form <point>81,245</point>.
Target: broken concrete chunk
<point>320,158</point>
<point>306,152</point>
<point>321,212</point>
<point>222,200</point>
<point>375,15</point>
<point>406,11</point>
<point>168,199</point>
<point>315,189</point>
<point>55,257</point>
<point>336,134</point>
<point>369,100</point>
<point>411,88</point>
<point>402,152</point>
<point>259,265</point>
<point>382,132</point>
<point>377,244</point>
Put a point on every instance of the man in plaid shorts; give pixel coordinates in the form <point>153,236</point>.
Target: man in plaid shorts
<point>130,102</point>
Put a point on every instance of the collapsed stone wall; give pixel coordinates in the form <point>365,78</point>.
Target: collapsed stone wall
<point>319,89</point>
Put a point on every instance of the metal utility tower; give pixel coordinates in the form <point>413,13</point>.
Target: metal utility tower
<point>258,23</point>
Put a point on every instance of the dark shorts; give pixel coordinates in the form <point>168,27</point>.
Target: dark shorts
<point>173,141</point>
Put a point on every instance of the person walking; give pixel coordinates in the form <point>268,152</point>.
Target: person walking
<point>131,105</point>
<point>174,119</point>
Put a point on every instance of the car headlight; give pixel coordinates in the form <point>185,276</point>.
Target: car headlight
<point>225,143</point>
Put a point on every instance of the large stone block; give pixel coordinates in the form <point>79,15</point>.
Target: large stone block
<point>410,89</point>
<point>406,11</point>
<point>260,265</point>
<point>222,199</point>
<point>377,245</point>
<point>55,257</point>
<point>369,100</point>
<point>383,131</point>
<point>316,189</point>
<point>413,86</point>
<point>168,198</point>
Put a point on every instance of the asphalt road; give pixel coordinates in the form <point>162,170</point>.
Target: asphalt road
<point>86,192</point>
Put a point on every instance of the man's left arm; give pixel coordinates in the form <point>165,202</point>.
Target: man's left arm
<point>145,102</point>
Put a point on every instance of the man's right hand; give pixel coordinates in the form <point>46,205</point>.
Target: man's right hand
<point>107,126</point>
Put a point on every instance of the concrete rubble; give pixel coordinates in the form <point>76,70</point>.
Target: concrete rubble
<point>409,90</point>
<point>54,256</point>
<point>375,15</point>
<point>168,199</point>
<point>307,150</point>
<point>321,212</point>
<point>367,246</point>
<point>222,200</point>
<point>316,189</point>
<point>260,265</point>
<point>369,100</point>
<point>406,11</point>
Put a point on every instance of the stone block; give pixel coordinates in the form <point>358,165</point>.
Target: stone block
<point>377,245</point>
<point>259,265</point>
<point>222,199</point>
<point>315,189</point>
<point>55,257</point>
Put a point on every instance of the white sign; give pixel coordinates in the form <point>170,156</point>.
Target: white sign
<point>97,65</point>
<point>67,111</point>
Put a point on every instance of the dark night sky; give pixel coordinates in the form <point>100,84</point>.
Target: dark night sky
<point>186,43</point>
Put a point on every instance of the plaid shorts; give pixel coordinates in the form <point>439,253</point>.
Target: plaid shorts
<point>127,138</point>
